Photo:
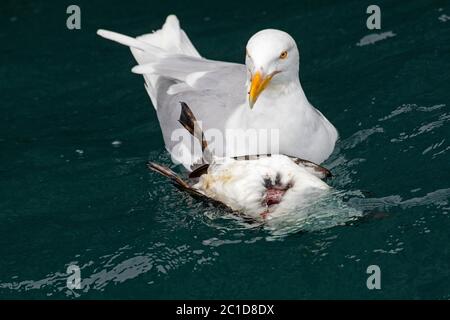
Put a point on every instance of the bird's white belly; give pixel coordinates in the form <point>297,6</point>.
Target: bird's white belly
<point>244,185</point>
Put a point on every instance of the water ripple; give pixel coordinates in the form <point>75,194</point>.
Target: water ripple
<point>439,198</point>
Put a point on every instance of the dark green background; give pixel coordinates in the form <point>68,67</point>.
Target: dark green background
<point>134,236</point>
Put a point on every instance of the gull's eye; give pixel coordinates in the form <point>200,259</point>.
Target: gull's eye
<point>283,55</point>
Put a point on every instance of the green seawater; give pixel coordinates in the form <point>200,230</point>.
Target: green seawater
<point>68,195</point>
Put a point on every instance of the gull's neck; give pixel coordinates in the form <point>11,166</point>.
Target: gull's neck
<point>283,93</point>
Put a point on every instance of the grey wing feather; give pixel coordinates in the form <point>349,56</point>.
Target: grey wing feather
<point>213,96</point>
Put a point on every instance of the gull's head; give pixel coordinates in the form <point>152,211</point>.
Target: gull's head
<point>272,61</point>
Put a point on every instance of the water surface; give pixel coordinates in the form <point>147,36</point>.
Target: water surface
<point>70,195</point>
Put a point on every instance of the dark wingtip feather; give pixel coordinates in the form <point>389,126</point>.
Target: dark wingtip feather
<point>187,118</point>
<point>184,186</point>
<point>199,171</point>
<point>168,173</point>
<point>189,122</point>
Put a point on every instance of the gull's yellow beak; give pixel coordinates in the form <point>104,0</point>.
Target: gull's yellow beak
<point>259,83</point>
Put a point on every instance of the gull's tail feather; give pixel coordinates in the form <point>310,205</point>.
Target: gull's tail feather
<point>130,42</point>
<point>152,47</point>
<point>171,38</point>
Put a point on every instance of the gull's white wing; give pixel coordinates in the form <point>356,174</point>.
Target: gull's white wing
<point>212,95</point>
<point>174,71</point>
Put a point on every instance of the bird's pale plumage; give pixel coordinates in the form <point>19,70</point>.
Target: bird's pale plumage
<point>249,186</point>
<point>260,187</point>
<point>218,93</point>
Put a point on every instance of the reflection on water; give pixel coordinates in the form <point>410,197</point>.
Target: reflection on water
<point>125,264</point>
<point>375,37</point>
<point>439,198</point>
